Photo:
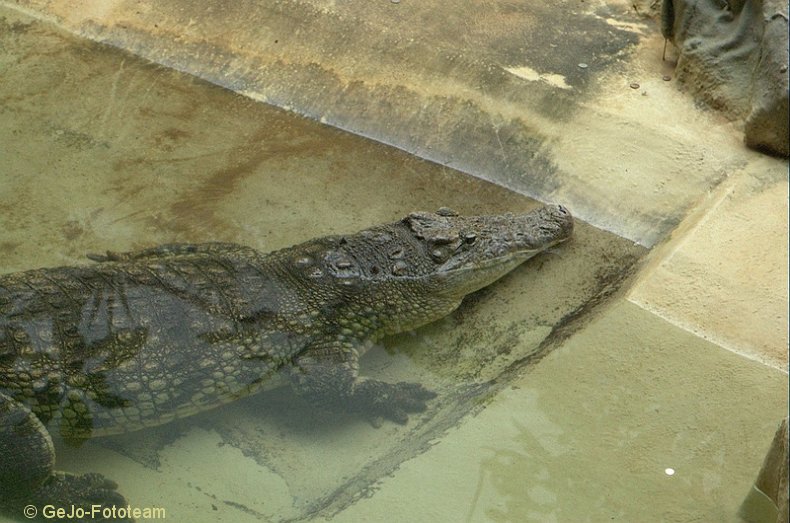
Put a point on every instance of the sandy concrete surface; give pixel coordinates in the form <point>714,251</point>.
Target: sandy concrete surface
<point>723,275</point>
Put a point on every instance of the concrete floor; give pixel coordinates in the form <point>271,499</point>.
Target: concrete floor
<point>683,366</point>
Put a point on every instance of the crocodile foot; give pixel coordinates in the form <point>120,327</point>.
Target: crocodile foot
<point>390,400</point>
<point>86,498</point>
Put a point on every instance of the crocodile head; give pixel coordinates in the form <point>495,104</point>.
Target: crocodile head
<point>414,271</point>
<point>467,253</point>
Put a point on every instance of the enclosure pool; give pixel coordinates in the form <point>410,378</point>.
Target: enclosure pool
<point>633,373</point>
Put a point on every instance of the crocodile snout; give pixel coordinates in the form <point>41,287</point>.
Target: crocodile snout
<point>545,227</point>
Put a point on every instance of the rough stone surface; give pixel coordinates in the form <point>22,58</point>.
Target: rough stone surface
<point>767,123</point>
<point>734,56</point>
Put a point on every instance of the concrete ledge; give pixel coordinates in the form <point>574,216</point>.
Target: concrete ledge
<point>723,275</point>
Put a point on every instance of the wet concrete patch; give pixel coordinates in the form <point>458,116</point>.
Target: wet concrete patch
<point>101,150</point>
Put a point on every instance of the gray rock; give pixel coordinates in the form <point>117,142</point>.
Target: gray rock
<point>734,57</point>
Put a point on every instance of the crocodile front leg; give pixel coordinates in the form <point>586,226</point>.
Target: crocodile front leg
<point>27,477</point>
<point>327,375</point>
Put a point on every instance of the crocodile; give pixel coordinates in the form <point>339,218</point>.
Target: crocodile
<point>141,338</point>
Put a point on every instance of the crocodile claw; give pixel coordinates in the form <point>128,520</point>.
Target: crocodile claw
<point>408,397</point>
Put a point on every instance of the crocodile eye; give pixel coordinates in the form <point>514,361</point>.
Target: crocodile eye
<point>438,255</point>
<point>469,237</point>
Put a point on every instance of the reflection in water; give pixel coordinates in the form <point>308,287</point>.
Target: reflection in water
<point>520,479</point>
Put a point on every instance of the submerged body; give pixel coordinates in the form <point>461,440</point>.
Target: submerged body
<point>145,337</point>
